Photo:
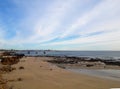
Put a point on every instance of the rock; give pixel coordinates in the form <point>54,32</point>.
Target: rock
<point>19,79</point>
<point>21,67</point>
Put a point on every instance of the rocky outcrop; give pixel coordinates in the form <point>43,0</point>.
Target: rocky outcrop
<point>84,60</point>
<point>9,60</point>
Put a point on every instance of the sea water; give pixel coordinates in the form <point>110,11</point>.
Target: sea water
<point>101,54</point>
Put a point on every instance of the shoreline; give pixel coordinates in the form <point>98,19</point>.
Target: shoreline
<point>110,74</point>
<point>85,62</point>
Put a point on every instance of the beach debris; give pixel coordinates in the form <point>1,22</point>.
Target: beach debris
<point>89,65</point>
<point>21,67</point>
<point>19,79</point>
<point>14,80</point>
<point>51,69</point>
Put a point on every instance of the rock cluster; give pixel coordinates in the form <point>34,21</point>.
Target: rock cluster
<point>83,60</point>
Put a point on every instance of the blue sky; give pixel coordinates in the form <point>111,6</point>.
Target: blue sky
<point>60,24</point>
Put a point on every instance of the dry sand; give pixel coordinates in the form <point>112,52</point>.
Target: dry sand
<point>39,74</point>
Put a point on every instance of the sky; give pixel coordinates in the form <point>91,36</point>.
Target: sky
<point>60,24</point>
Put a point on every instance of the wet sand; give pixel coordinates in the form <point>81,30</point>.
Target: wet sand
<point>39,74</point>
<point>102,73</point>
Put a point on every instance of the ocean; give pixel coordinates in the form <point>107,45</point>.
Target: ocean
<point>99,54</point>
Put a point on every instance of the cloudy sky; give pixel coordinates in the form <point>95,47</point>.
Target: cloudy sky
<point>60,24</point>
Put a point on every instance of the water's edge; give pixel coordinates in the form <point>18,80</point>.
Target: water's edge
<point>102,73</point>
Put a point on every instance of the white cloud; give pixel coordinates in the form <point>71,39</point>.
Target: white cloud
<point>104,11</point>
<point>105,37</point>
<point>49,25</point>
<point>46,27</point>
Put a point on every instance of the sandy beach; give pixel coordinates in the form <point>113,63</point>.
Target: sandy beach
<point>39,74</point>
